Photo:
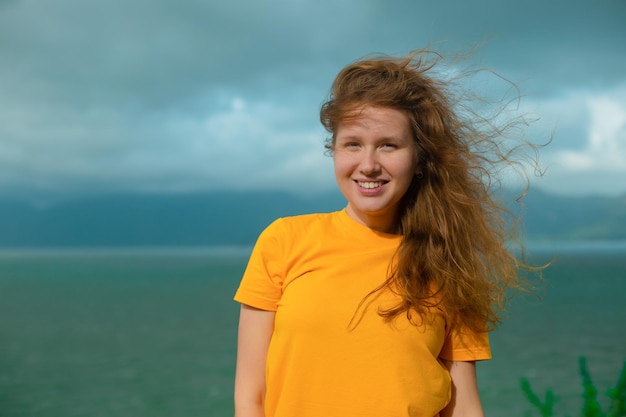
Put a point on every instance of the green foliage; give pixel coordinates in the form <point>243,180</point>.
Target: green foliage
<point>618,396</point>
<point>591,406</point>
<point>545,407</point>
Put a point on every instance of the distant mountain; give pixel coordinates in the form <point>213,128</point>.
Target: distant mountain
<point>236,218</point>
<point>216,218</point>
<point>574,218</point>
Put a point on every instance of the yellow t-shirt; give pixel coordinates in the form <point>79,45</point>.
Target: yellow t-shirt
<point>330,354</point>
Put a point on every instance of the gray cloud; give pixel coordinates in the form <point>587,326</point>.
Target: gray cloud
<point>192,94</point>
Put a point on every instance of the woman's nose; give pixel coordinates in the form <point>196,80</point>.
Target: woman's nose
<point>369,162</point>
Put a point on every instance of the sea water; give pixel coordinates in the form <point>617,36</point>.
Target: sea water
<point>153,332</point>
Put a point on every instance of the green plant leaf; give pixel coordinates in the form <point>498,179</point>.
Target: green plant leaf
<point>591,406</point>
<point>545,408</point>
<point>618,396</point>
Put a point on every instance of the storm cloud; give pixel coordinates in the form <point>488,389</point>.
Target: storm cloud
<point>157,95</point>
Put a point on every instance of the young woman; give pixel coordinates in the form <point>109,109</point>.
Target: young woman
<point>381,309</point>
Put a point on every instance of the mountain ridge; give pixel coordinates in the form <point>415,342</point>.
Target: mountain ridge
<point>237,217</point>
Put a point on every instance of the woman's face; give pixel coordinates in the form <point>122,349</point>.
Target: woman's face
<point>375,161</point>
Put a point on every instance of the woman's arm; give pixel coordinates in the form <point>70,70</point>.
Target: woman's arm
<point>255,330</point>
<point>465,400</point>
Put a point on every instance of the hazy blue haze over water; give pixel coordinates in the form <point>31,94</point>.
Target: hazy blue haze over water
<point>153,332</point>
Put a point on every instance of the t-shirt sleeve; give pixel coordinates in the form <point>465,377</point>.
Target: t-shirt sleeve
<point>463,345</point>
<point>261,285</point>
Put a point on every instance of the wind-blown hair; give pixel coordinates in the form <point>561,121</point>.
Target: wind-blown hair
<point>454,254</point>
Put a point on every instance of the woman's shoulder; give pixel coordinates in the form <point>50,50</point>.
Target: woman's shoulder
<point>306,222</point>
<point>297,230</point>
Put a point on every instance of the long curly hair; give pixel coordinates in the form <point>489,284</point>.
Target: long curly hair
<point>455,253</point>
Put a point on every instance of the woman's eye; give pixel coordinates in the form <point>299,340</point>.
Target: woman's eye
<point>389,146</point>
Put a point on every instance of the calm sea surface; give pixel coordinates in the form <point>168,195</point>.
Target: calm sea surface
<point>149,333</point>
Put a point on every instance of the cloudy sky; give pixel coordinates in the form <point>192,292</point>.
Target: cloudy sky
<point>164,95</point>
